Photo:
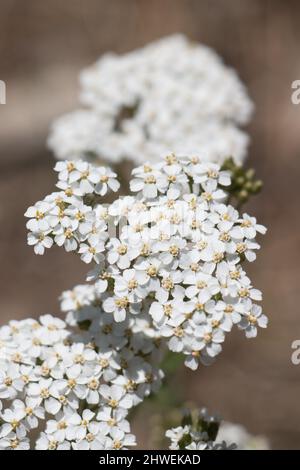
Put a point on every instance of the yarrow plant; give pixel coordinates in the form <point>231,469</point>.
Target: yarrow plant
<point>197,433</point>
<point>166,275</point>
<point>171,95</point>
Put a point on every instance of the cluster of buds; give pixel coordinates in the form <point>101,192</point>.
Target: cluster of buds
<point>243,181</point>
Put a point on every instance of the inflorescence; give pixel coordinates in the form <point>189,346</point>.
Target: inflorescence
<point>166,273</point>
<point>171,95</point>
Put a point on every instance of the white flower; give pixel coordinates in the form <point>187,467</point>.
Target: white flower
<point>121,253</point>
<point>94,439</point>
<point>81,179</point>
<point>117,306</point>
<point>13,442</point>
<point>130,284</point>
<point>12,422</point>
<point>40,241</point>
<point>113,419</point>
<point>47,442</point>
<point>67,238</point>
<point>169,283</point>
<point>203,284</point>
<point>10,381</point>
<point>61,428</point>
<point>76,298</point>
<point>119,440</point>
<point>47,392</point>
<point>91,252</point>
<point>38,217</point>
<point>210,339</point>
<point>79,425</point>
<point>107,180</point>
<point>32,412</point>
<point>115,397</point>
<point>53,329</point>
<point>195,357</point>
<point>250,227</point>
<point>252,319</point>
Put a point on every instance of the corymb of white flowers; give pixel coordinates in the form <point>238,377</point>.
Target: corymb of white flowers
<point>172,252</point>
<point>167,275</point>
<point>171,95</point>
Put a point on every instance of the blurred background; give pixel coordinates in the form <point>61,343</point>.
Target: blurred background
<point>43,46</point>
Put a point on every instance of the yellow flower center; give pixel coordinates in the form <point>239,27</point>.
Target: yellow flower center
<point>122,249</point>
<point>122,302</point>
<point>178,332</point>
<point>244,293</point>
<point>150,179</point>
<point>201,285</point>
<point>62,425</point>
<point>167,283</point>
<point>212,174</point>
<point>103,363</point>
<point>172,178</point>
<point>113,403</point>
<point>168,310</point>
<point>174,250</point>
<point>14,443</point>
<point>207,337</point>
<point>93,384</point>
<point>152,271</point>
<point>252,319</point>
<point>39,215</point>
<point>228,309</point>
<point>132,284</point>
<point>79,359</point>
<point>8,381</point>
<point>45,393</point>
<point>71,383</point>
<point>117,445</point>
<point>147,169</point>
<point>207,196</point>
<point>171,159</point>
<point>246,223</point>
<point>241,248</point>
<point>217,258</point>
<point>68,233</point>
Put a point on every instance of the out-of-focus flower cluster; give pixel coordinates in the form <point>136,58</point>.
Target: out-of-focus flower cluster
<point>172,252</point>
<point>232,432</point>
<point>171,95</point>
<point>198,433</point>
<point>76,391</point>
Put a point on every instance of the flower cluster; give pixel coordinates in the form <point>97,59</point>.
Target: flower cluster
<point>231,432</point>
<point>173,252</point>
<point>65,219</point>
<point>197,434</point>
<point>172,95</point>
<point>75,391</point>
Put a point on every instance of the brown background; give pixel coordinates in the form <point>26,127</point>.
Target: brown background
<point>43,46</point>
